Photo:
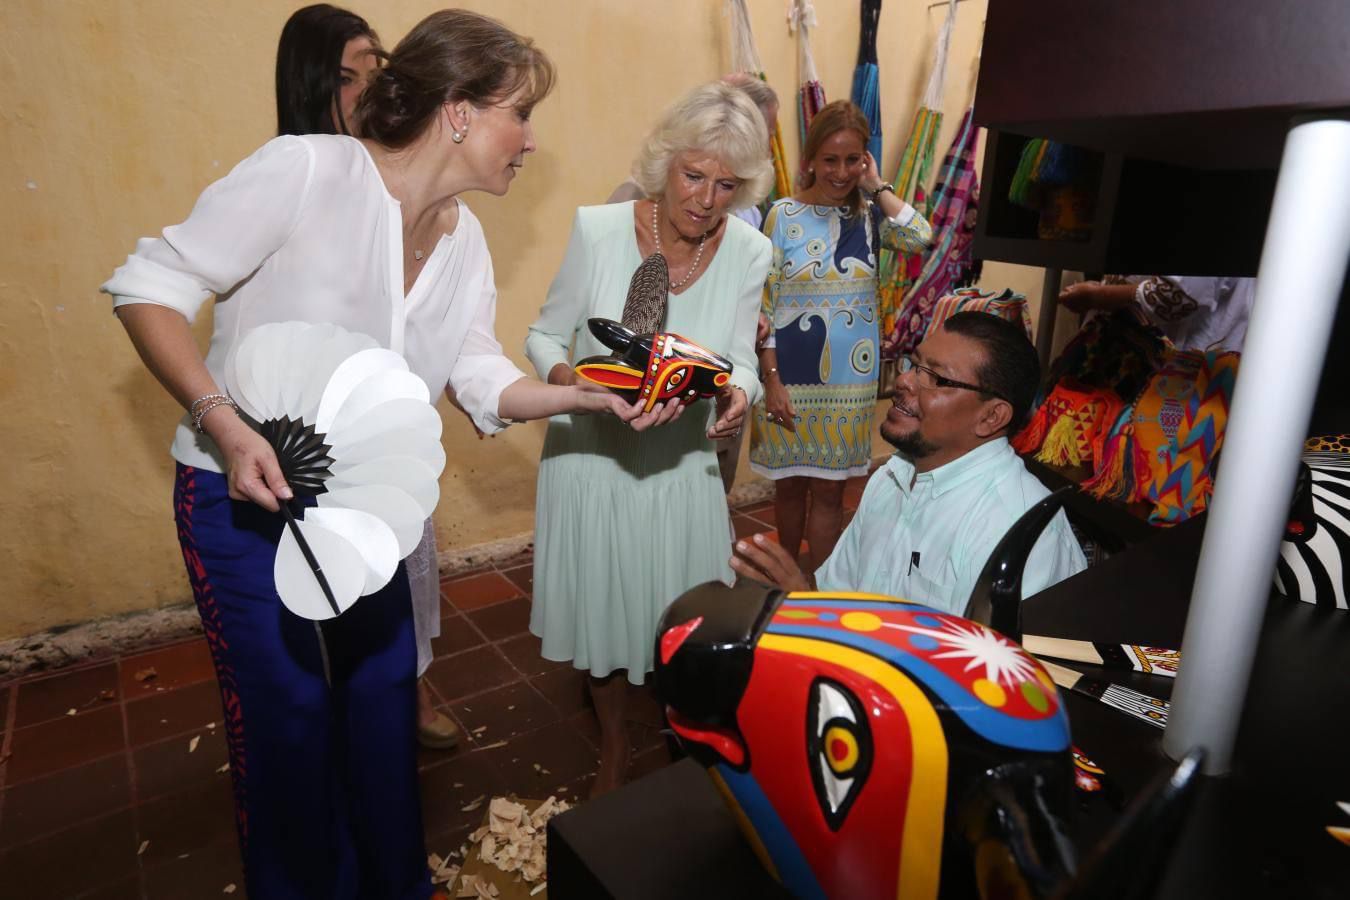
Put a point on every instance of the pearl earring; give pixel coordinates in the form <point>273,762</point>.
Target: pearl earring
<point>456,137</point>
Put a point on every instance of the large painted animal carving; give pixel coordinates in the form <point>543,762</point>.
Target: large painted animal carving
<point>871,747</point>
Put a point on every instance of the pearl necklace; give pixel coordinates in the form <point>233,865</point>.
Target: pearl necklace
<point>656,237</point>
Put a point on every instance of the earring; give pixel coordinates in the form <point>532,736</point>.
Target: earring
<point>456,137</point>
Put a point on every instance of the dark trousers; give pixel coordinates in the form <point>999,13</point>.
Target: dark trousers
<point>325,777</point>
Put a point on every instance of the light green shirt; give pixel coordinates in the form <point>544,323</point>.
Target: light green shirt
<point>926,539</point>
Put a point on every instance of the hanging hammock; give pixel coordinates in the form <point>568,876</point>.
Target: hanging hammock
<point>745,58</point>
<point>866,88</point>
<point>949,263</point>
<point>899,271</point>
<point>811,97</point>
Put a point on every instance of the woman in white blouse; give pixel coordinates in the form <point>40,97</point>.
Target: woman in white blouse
<point>368,235</point>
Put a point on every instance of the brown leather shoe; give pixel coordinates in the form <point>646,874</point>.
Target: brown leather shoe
<point>441,733</point>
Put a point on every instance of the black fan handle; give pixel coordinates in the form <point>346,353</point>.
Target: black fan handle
<point>309,557</point>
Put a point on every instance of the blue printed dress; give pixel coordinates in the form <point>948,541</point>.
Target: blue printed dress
<point>821,298</point>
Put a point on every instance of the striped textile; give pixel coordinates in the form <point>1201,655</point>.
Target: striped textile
<point>949,260</point>
<point>899,270</point>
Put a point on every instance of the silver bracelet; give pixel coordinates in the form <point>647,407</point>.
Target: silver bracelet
<point>205,398</point>
<point>203,405</point>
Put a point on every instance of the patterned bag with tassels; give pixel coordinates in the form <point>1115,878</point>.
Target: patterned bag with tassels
<point>1163,447</point>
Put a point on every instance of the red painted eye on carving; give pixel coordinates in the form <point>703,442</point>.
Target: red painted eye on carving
<point>674,637</point>
<point>838,748</point>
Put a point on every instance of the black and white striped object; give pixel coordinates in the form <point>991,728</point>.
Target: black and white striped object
<point>1316,546</point>
<point>1127,700</point>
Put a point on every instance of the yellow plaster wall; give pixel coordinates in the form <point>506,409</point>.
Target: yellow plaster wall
<point>116,114</point>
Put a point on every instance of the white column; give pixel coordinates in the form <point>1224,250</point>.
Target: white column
<point>1302,268</point>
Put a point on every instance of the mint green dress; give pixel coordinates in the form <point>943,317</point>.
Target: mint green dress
<point>625,522</point>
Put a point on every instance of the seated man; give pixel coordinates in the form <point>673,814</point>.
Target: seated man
<point>930,517</point>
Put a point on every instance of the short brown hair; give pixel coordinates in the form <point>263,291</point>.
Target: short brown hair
<point>449,56</point>
<point>841,115</point>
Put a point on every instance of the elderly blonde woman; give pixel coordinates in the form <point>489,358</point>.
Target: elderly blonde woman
<point>625,524</point>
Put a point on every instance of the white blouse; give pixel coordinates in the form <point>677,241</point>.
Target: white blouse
<point>304,230</point>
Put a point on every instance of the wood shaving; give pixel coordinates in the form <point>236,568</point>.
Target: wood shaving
<point>479,730</point>
<point>442,870</point>
<point>211,726</point>
<point>229,888</point>
<point>473,886</point>
<point>474,803</point>
<point>515,839</point>
<point>493,746</point>
<point>224,768</point>
<point>192,744</point>
<point>71,711</point>
<point>141,848</point>
<point>144,675</point>
<point>543,885</point>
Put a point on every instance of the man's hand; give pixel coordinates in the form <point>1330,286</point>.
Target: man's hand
<point>764,559</point>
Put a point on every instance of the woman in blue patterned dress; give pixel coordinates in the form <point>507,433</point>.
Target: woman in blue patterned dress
<point>813,428</point>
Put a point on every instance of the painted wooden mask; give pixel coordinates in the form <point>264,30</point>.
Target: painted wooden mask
<point>653,367</point>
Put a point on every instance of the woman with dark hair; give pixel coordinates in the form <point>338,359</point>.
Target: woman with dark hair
<point>369,235</point>
<point>324,60</point>
<point>814,429</point>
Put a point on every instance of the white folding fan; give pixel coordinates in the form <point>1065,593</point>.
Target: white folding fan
<point>354,428</point>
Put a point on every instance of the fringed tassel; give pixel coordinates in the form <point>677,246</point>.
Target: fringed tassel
<point>1143,473</point>
<point>1108,412</point>
<point>1111,478</point>
<point>1060,447</point>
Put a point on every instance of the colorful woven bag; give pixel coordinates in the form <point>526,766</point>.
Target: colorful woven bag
<point>1071,426</point>
<point>1119,351</point>
<point>1100,370</point>
<point>1008,305</point>
<point>1163,447</point>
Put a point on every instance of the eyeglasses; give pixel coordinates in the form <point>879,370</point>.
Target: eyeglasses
<point>930,379</point>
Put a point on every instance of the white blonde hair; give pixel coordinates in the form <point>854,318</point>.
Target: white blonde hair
<point>719,120</point>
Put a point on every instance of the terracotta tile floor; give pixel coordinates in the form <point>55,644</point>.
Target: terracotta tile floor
<point>111,781</point>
